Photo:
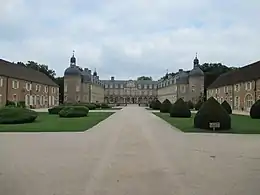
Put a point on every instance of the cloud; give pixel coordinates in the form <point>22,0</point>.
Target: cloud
<point>130,38</point>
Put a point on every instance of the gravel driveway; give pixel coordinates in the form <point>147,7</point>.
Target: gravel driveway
<point>131,153</point>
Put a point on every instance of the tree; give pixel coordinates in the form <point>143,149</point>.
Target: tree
<point>144,78</point>
<point>39,67</point>
<point>60,82</point>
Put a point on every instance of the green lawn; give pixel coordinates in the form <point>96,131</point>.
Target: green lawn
<point>240,124</point>
<point>53,123</point>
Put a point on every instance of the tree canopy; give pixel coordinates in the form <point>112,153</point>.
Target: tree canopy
<point>142,78</point>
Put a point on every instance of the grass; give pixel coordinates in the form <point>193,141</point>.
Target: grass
<point>240,124</point>
<point>53,123</point>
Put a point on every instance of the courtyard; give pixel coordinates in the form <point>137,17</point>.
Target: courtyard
<point>131,152</point>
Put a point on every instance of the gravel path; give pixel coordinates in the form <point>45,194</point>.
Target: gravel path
<point>131,153</point>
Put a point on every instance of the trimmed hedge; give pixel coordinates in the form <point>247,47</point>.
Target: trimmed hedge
<point>166,106</point>
<point>227,107</point>
<point>180,109</point>
<point>212,111</point>
<point>255,110</point>
<point>56,109</point>
<point>156,105</point>
<point>15,115</point>
<point>74,111</point>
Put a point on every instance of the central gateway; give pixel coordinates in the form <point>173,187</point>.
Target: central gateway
<point>130,91</point>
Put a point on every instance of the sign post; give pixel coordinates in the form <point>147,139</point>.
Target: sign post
<point>214,125</point>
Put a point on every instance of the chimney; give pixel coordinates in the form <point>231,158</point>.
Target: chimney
<point>89,71</point>
<point>180,70</point>
<point>97,77</point>
<point>86,69</point>
<point>112,78</point>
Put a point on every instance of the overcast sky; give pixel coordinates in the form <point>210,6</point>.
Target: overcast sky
<point>128,39</point>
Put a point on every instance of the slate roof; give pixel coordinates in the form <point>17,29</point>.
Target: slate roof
<point>247,73</point>
<point>18,71</point>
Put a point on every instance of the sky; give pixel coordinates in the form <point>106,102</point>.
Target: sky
<point>127,39</point>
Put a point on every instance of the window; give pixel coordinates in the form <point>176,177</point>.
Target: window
<point>38,100</point>
<point>46,89</point>
<point>139,86</point>
<point>248,86</point>
<point>217,91</point>
<point>65,87</point>
<point>193,88</point>
<point>122,86</point>
<point>53,90</point>
<point>1,98</point>
<point>28,86</point>
<point>116,85</point>
<point>77,88</point>
<point>106,86</point>
<point>65,98</point>
<point>111,86</point>
<point>145,86</point>
<point>183,89</point>
<point>38,88</point>
<point>77,98</point>
<point>151,86</point>
<point>42,100</point>
<point>225,89</point>
<point>15,84</point>
<point>248,101</point>
<point>175,88</point>
<point>27,99</point>
<point>221,99</point>
<point>1,82</point>
<point>237,102</point>
<point>14,98</point>
<point>237,87</point>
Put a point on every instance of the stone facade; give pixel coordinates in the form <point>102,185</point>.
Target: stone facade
<point>188,85</point>
<point>18,83</point>
<point>130,91</point>
<point>81,85</point>
<point>240,88</point>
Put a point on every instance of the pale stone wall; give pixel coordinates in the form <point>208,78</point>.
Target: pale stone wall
<point>240,96</point>
<point>97,93</point>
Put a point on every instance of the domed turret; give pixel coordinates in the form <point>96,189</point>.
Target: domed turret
<point>196,71</point>
<point>73,70</point>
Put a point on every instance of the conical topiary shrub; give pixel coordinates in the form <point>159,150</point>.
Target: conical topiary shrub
<point>180,109</point>
<point>166,106</point>
<point>156,105</point>
<point>211,112</point>
<point>227,107</point>
<point>198,105</point>
<point>255,110</point>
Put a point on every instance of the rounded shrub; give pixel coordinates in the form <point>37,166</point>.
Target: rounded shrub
<point>91,106</point>
<point>211,111</point>
<point>198,105</point>
<point>227,107</point>
<point>255,110</point>
<point>56,109</point>
<point>15,115</point>
<point>74,111</point>
<point>166,106</point>
<point>180,109</point>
